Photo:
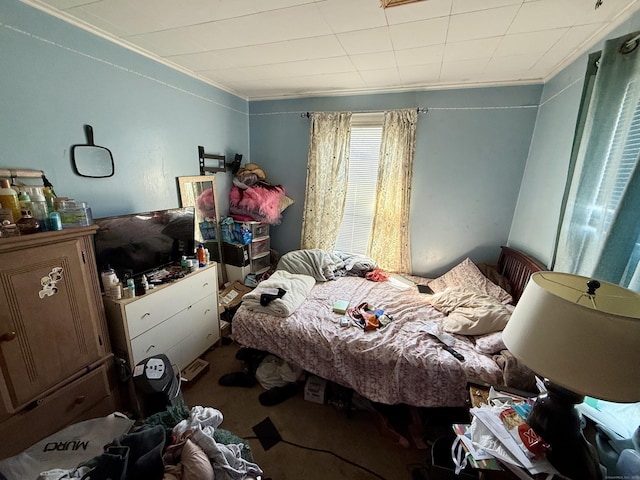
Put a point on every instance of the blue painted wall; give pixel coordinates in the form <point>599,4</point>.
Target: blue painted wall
<point>470,156</point>
<point>56,77</point>
<point>537,215</point>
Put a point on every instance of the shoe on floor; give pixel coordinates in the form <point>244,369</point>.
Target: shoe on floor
<point>246,354</point>
<point>278,395</point>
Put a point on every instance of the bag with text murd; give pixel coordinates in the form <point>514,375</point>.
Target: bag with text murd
<point>67,448</point>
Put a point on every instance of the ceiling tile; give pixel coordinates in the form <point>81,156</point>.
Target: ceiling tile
<point>565,50</point>
<point>374,61</point>
<point>464,71</point>
<point>177,41</point>
<point>381,77</point>
<point>420,55</point>
<point>514,63</point>
<point>484,24</point>
<point>318,66</point>
<point>267,27</point>
<point>271,53</point>
<point>525,43</point>
<point>199,62</point>
<point>347,16</point>
<point>419,74</point>
<point>467,6</point>
<point>418,11</point>
<point>472,49</point>
<point>419,34</point>
<point>366,41</point>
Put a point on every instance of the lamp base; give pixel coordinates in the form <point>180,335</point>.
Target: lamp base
<point>556,419</point>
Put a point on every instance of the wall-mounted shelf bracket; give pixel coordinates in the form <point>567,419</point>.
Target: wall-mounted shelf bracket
<point>210,163</point>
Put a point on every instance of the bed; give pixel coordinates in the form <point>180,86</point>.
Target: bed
<point>397,364</point>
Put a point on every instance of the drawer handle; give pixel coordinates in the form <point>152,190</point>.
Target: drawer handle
<point>144,315</point>
<point>150,347</point>
<point>189,307</point>
<point>80,399</point>
<point>206,311</point>
<point>205,284</point>
<point>7,337</point>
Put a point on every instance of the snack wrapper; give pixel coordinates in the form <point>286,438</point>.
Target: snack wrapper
<point>527,439</point>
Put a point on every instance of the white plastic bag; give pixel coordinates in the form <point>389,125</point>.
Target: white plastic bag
<point>275,372</point>
<point>67,448</point>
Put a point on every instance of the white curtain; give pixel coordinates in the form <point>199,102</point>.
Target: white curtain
<point>327,177</point>
<point>389,241</point>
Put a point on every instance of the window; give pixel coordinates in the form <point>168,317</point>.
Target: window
<point>600,232</point>
<point>364,154</point>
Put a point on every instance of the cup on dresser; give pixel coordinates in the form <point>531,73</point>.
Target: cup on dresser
<point>115,291</point>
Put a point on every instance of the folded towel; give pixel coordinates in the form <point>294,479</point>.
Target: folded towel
<point>297,286</point>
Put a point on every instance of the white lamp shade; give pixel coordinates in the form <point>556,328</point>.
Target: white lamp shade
<point>589,344</point>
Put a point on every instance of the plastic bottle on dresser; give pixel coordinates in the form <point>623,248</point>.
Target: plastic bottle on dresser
<point>25,201</point>
<point>202,256</point>
<point>39,208</point>
<point>50,197</point>
<point>9,199</point>
<point>109,278</point>
<point>131,285</point>
<point>54,221</point>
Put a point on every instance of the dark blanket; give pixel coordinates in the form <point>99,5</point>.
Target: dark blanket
<point>515,373</point>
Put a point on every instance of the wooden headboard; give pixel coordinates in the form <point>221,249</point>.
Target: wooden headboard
<point>517,267</point>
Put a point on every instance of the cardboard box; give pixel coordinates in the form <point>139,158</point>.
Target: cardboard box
<point>232,295</point>
<point>314,389</point>
<point>194,371</point>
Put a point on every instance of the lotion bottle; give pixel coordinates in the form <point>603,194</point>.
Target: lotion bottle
<point>39,208</point>
<point>9,199</point>
<point>202,259</point>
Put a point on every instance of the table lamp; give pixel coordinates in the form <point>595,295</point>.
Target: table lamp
<point>583,337</point>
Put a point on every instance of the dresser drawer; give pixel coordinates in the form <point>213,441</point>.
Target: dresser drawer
<point>168,337</point>
<point>159,304</point>
<point>55,411</point>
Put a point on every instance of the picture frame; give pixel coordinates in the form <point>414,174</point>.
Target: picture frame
<point>201,192</point>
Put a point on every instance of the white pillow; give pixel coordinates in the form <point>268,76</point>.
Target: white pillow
<point>469,312</point>
<point>467,274</point>
<point>490,343</point>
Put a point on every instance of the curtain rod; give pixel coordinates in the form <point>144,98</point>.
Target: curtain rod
<point>630,45</point>
<point>419,110</point>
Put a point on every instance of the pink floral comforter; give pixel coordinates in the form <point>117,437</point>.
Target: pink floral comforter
<point>398,364</point>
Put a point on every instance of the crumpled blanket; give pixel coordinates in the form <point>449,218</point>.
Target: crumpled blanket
<point>297,287</point>
<point>324,265</point>
<point>355,265</point>
<point>227,461</point>
<point>515,374</point>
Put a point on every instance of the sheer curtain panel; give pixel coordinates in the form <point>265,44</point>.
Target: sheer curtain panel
<point>327,177</point>
<point>600,231</point>
<point>389,242</point>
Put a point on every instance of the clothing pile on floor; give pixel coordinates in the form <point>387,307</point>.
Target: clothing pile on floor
<point>176,444</point>
<point>280,379</point>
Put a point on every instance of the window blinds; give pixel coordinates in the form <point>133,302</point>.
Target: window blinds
<point>366,135</point>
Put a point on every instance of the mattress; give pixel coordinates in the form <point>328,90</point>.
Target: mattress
<point>399,364</point>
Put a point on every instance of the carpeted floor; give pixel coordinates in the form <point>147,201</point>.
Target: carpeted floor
<point>320,441</point>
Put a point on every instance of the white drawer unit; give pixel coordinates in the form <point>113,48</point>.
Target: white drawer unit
<point>190,331</point>
<point>179,319</point>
